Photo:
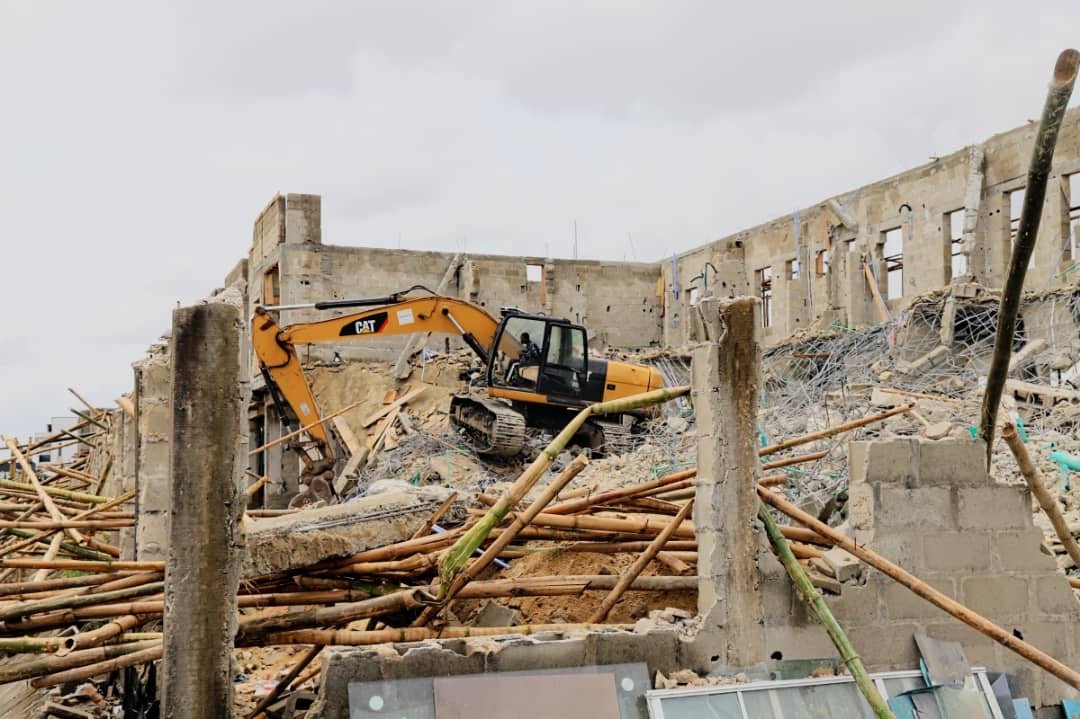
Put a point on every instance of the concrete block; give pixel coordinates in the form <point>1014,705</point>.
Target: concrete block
<point>956,551</point>
<point>893,462</point>
<point>994,507</point>
<point>930,507</point>
<point>899,602</point>
<point>857,605</point>
<point>431,659</point>
<point>1054,638</point>
<point>996,598</point>
<point>1020,551</point>
<point>152,536</point>
<point>844,566</point>
<point>1053,595</point>
<point>978,648</point>
<point>659,650</point>
<point>496,615</point>
<point>955,462</point>
<point>884,649</point>
<point>526,654</point>
<point>903,548</point>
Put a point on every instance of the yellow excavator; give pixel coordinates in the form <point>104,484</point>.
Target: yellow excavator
<point>538,371</point>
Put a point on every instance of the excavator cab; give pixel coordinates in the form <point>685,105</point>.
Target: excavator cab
<point>539,356</point>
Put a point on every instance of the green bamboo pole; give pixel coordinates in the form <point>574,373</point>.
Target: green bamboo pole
<point>813,597</point>
<point>1027,232</point>
<point>458,555</point>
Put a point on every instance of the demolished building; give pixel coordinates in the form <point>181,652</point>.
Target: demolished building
<point>882,300</point>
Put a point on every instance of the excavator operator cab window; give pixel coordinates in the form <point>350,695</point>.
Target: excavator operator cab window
<point>565,362</point>
<point>517,358</point>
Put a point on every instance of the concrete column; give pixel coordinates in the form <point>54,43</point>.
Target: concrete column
<point>207,461</point>
<point>726,380</point>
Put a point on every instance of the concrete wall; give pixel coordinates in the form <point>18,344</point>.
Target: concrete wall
<point>930,507</point>
<point>850,227</point>
<point>616,301</point>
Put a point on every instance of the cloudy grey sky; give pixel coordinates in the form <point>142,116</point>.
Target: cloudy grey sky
<point>138,140</point>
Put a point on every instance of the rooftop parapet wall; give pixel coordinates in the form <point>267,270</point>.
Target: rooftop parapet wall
<point>931,508</point>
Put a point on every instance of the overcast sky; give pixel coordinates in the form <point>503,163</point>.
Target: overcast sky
<point>138,140</point>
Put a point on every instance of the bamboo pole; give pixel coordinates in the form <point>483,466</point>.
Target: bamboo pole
<point>967,616</point>
<point>255,486</point>
<point>812,596</point>
<point>459,554</point>
<point>57,492</point>
<point>340,637</point>
<point>830,431</point>
<point>51,664</point>
<point>53,510</point>
<point>577,505</point>
<point>70,602</point>
<point>253,630</point>
<point>443,508</point>
<point>86,566</point>
<point>279,688</point>
<point>635,526</point>
<point>797,459</point>
<point>94,637</point>
<point>98,524</point>
<point>1035,482</point>
<point>639,565</point>
<point>1027,232</point>
<point>151,654</point>
<point>16,588</point>
<point>473,569</point>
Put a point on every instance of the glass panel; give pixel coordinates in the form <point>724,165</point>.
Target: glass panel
<point>894,687</point>
<point>808,702</point>
<point>705,706</point>
<point>566,348</point>
<point>519,350</point>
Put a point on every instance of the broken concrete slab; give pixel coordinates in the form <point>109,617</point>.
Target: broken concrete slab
<point>299,539</point>
<point>496,615</point>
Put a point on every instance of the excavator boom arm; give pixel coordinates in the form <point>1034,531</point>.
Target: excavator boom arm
<point>276,346</point>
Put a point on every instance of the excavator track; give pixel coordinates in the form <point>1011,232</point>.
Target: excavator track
<point>491,426</point>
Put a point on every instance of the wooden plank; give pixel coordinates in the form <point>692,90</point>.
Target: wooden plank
<point>352,442</point>
<point>409,396</point>
<point>1029,388</point>
<point>879,302</point>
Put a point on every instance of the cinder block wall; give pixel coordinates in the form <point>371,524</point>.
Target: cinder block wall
<point>932,508</point>
<point>153,421</point>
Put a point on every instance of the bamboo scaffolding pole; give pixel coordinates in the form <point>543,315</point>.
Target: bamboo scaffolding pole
<point>255,486</point>
<point>57,492</point>
<point>639,565</point>
<point>51,664</point>
<point>342,637</point>
<point>1027,232</point>
<point>86,566</point>
<point>95,637</point>
<point>131,580</point>
<point>959,611</point>
<point>98,524</point>
<point>649,527</point>
<point>462,550</point>
<point>305,428</point>
<point>473,569</point>
<point>830,431</point>
<point>797,459</point>
<point>812,596</point>
<point>252,630</point>
<point>279,688</point>
<point>53,510</point>
<point>69,547</point>
<point>83,600</point>
<point>144,656</point>
<point>16,588</point>
<point>577,505</point>
<point>443,508</point>
<point>1046,501</point>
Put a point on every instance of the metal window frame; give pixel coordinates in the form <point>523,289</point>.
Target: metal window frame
<point>655,697</point>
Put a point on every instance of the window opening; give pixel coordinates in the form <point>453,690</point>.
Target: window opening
<point>764,278</point>
<point>894,263</point>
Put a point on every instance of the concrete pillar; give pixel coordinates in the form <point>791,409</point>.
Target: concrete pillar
<point>206,464</point>
<point>726,380</point>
